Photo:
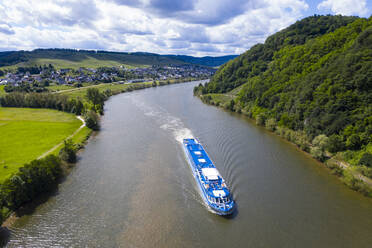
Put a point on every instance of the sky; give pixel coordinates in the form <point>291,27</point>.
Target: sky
<point>190,27</point>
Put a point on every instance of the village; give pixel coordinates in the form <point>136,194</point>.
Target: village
<point>47,74</point>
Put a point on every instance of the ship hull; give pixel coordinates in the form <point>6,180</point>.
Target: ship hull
<point>204,194</point>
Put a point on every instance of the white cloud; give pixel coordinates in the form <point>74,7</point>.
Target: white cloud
<point>199,27</point>
<point>6,28</point>
<point>345,7</point>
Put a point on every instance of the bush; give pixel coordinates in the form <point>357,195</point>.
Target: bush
<point>68,152</point>
<point>366,171</point>
<point>260,120</point>
<point>270,124</point>
<point>230,105</point>
<point>320,141</point>
<point>317,153</point>
<point>92,120</point>
<point>335,168</point>
<point>366,159</point>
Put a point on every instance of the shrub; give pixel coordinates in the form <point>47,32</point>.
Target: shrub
<point>366,171</point>
<point>230,105</point>
<point>92,120</point>
<point>260,119</point>
<point>303,144</point>
<point>68,152</point>
<point>335,168</point>
<point>270,124</point>
<point>320,141</point>
<point>317,153</point>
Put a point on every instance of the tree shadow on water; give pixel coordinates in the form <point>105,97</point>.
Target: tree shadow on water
<point>4,236</point>
<point>30,207</point>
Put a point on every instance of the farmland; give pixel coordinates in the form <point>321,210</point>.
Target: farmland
<point>26,134</point>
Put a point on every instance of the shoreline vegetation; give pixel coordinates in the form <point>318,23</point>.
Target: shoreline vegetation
<point>310,83</point>
<point>41,176</point>
<point>355,177</point>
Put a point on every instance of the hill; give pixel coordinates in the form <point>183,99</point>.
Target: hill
<point>256,60</point>
<point>310,87</point>
<point>207,61</point>
<point>71,58</point>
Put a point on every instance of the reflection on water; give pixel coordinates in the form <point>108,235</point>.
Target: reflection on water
<point>133,187</point>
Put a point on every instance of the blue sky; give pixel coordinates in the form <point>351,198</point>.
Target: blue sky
<point>192,27</point>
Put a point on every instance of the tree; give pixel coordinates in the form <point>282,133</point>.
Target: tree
<point>335,143</point>
<point>353,142</point>
<point>95,96</point>
<point>92,120</point>
<point>366,159</point>
<point>320,141</point>
<point>68,152</point>
<point>230,105</point>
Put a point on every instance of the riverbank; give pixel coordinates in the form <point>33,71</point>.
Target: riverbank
<point>136,162</point>
<point>66,166</point>
<point>26,134</point>
<point>349,175</point>
<point>29,207</point>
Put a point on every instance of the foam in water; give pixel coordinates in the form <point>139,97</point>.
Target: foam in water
<point>165,120</point>
<point>173,124</point>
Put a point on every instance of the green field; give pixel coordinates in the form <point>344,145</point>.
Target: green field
<point>87,62</point>
<point>115,88</point>
<point>2,92</point>
<point>59,87</point>
<point>26,134</point>
<point>221,99</point>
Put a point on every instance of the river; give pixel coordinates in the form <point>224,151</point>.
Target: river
<point>132,186</point>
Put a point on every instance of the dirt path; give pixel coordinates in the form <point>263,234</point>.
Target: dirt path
<point>69,137</point>
<point>75,89</point>
<point>356,174</point>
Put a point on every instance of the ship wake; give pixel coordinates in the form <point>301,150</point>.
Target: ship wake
<point>165,120</point>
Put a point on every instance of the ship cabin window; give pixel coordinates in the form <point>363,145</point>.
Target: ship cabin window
<point>202,160</point>
<point>198,153</point>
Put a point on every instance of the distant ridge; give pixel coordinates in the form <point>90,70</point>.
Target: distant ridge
<point>86,58</point>
<point>207,60</point>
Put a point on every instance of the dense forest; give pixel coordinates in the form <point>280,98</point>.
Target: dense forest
<point>314,78</point>
<point>256,60</point>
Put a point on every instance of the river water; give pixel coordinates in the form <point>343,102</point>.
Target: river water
<point>132,186</point>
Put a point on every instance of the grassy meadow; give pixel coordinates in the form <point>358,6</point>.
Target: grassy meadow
<point>26,134</point>
<point>2,92</point>
<point>115,88</point>
<point>88,62</point>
